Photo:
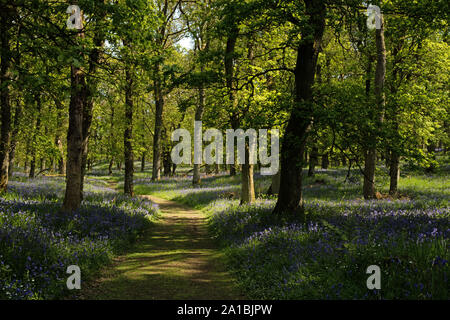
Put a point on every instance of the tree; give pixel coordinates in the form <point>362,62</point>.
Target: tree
<point>293,144</point>
<point>7,13</point>
<point>380,74</point>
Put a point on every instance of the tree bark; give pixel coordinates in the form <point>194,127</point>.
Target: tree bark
<point>62,162</point>
<point>143,162</point>
<point>72,198</point>
<point>167,163</point>
<point>290,196</point>
<point>159,107</point>
<point>35,134</point>
<point>248,185</point>
<point>5,103</point>
<point>394,173</point>
<point>198,117</point>
<point>275,185</point>
<point>14,134</point>
<point>380,73</point>
<point>313,161</point>
<point>111,162</point>
<point>325,161</point>
<point>128,134</point>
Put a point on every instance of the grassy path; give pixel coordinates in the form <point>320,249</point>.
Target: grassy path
<point>175,260</point>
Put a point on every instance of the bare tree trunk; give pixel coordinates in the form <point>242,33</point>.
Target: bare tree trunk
<point>394,173</point>
<point>143,162</point>
<point>174,168</point>
<point>72,197</point>
<point>393,154</point>
<point>380,73</point>
<point>159,107</point>
<point>15,132</point>
<point>111,162</point>
<point>128,134</point>
<point>290,196</point>
<point>62,162</point>
<point>248,185</point>
<point>369,173</point>
<point>313,161</point>
<point>325,161</point>
<point>35,134</point>
<point>5,104</point>
<point>198,117</point>
<point>275,185</point>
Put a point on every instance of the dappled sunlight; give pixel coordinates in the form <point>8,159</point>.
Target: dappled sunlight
<point>178,260</point>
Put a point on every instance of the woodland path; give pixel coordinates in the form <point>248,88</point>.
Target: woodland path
<point>176,259</point>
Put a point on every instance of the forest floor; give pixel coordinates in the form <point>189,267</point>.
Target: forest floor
<point>176,259</point>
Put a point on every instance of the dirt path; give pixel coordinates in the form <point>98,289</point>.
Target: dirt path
<point>175,260</point>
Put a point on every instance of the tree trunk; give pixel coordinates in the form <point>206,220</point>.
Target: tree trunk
<point>394,173</point>
<point>111,162</point>
<point>290,196</point>
<point>72,197</point>
<point>15,132</point>
<point>248,185</point>
<point>369,174</point>
<point>128,134</point>
<point>159,107</point>
<point>344,160</point>
<point>32,173</point>
<point>35,134</point>
<point>174,168</point>
<point>59,137</point>
<point>431,147</point>
<point>5,103</point>
<point>313,161</point>
<point>198,117</point>
<point>380,73</point>
<point>143,162</point>
<point>275,185</point>
<point>325,161</point>
<point>62,162</point>
<point>167,163</point>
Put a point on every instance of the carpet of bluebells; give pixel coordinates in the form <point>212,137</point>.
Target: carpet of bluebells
<point>37,244</point>
<point>327,258</point>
